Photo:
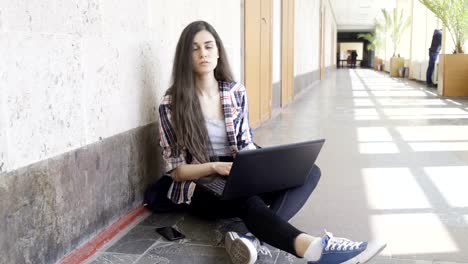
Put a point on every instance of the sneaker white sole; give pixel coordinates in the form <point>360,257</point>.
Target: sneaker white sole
<point>240,250</point>
<point>373,248</point>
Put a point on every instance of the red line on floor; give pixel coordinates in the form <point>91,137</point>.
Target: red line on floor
<point>82,253</point>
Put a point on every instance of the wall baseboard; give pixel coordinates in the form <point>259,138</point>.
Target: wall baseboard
<point>87,250</point>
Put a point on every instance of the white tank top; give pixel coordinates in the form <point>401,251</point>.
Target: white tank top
<point>218,137</point>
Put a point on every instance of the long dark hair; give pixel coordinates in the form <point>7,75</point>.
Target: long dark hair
<point>187,116</point>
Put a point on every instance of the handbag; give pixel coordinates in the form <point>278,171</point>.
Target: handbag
<point>155,197</point>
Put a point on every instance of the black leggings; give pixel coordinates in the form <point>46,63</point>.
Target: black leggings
<point>261,213</point>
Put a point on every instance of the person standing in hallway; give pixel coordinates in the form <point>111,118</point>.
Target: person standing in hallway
<point>354,56</point>
<point>203,124</point>
<point>433,55</point>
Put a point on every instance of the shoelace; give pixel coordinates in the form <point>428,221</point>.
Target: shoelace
<point>259,245</point>
<point>340,243</point>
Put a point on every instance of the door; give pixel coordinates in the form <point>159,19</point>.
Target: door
<point>322,40</point>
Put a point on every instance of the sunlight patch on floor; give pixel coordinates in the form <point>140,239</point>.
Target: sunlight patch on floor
<point>426,117</point>
<point>378,148</point>
<point>369,134</point>
<point>410,102</point>
<point>439,146</point>
<point>363,102</point>
<point>433,133</point>
<point>393,188</point>
<point>424,111</point>
<point>365,112</point>
<point>360,94</point>
<point>452,182</point>
<point>399,93</point>
<point>366,118</point>
<point>409,234</point>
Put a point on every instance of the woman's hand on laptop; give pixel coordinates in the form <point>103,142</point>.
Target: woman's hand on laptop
<point>222,168</point>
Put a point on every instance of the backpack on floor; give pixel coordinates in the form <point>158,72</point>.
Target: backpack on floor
<point>155,197</point>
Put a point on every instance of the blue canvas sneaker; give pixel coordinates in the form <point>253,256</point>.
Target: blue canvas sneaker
<point>341,250</point>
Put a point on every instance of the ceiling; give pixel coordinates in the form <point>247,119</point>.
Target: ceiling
<point>358,15</point>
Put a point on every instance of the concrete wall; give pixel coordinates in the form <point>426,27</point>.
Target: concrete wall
<point>80,83</point>
<point>71,75</point>
<point>330,35</point>
<point>404,48</point>
<point>276,76</point>
<point>307,42</point>
<point>75,74</point>
<point>306,36</point>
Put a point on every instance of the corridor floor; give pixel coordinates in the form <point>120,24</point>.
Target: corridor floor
<point>394,167</point>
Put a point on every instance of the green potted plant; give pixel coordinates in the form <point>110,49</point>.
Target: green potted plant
<point>452,67</point>
<point>454,16</point>
<point>396,24</point>
<point>375,40</point>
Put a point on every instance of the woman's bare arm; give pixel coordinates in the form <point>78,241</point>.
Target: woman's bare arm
<point>188,172</point>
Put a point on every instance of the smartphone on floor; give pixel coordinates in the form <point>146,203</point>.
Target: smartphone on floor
<point>170,233</point>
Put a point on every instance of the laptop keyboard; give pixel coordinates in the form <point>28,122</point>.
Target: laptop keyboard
<point>217,186</point>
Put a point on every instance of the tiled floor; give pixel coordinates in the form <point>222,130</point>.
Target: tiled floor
<point>394,167</point>
<point>203,243</point>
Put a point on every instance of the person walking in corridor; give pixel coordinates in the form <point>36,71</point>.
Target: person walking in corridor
<point>354,56</point>
<point>203,124</point>
<point>433,54</point>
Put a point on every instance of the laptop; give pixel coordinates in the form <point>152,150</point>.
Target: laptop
<point>265,170</point>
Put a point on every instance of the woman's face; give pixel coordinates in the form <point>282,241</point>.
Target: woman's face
<point>205,53</point>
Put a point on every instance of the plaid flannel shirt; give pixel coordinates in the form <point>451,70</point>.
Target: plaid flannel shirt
<point>239,134</point>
